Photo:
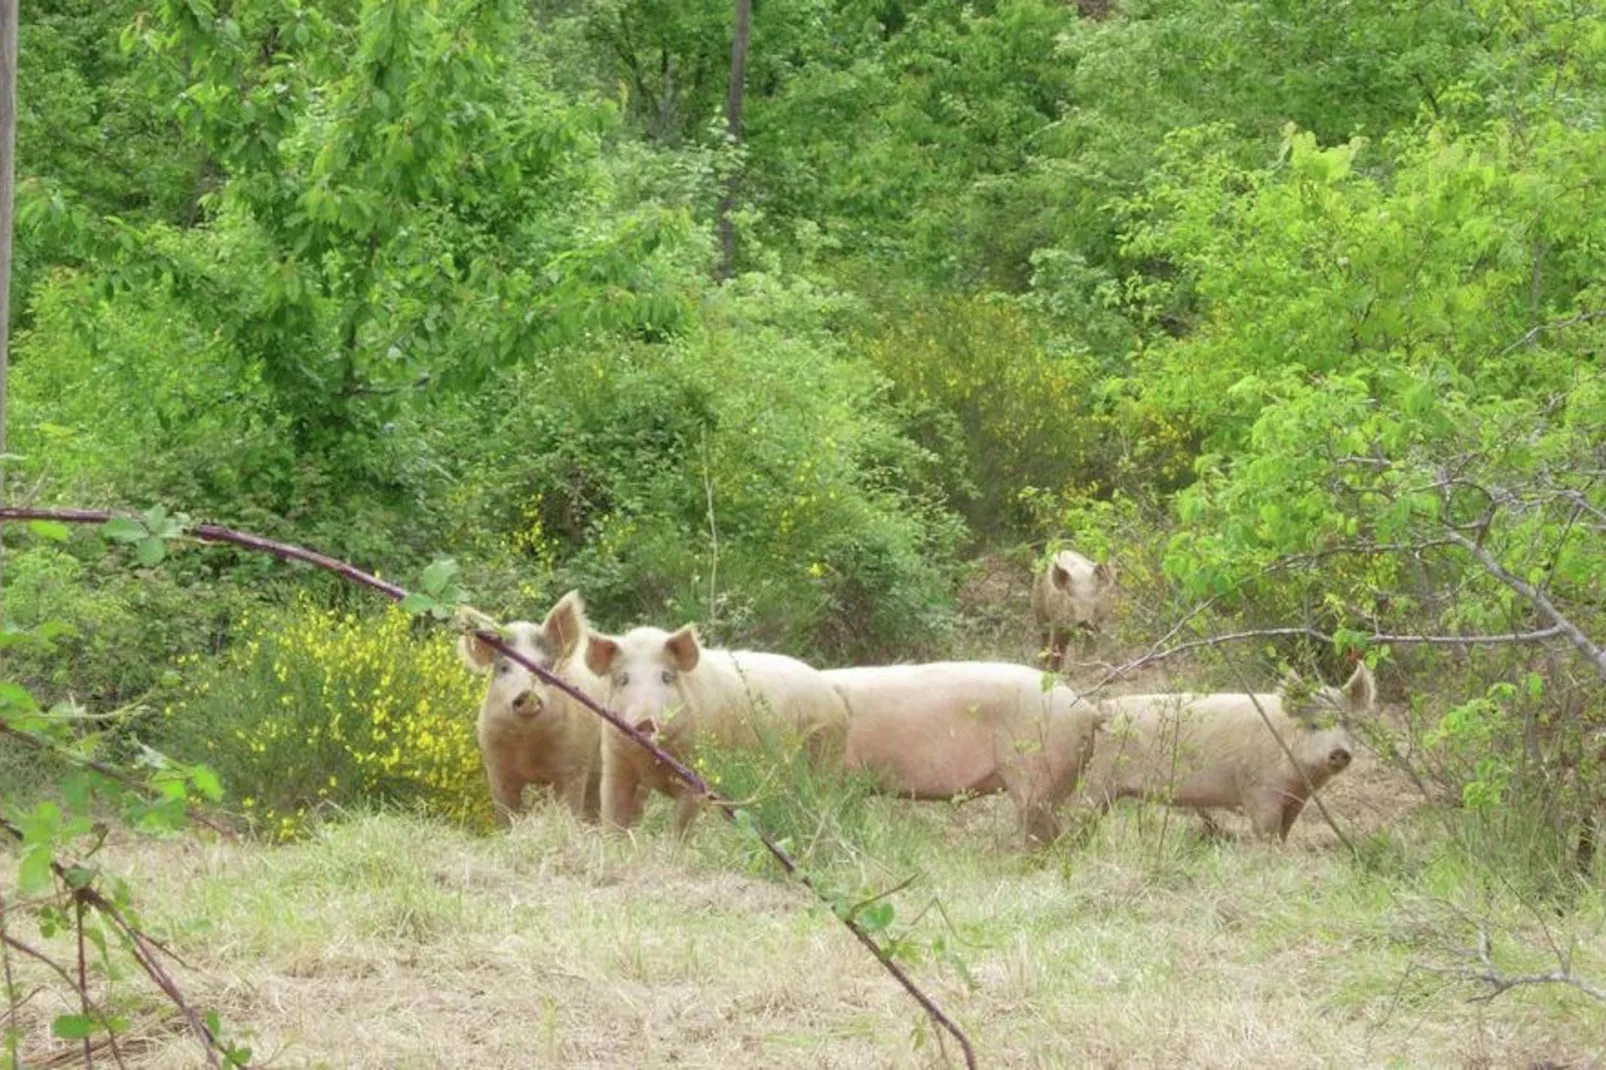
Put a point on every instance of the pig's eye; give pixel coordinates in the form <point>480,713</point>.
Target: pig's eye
<point>501,668</point>
<point>622,679</point>
<point>668,676</point>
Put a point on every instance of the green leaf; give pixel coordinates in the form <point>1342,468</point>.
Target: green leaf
<point>416,603</point>
<point>437,576</point>
<point>151,551</point>
<point>52,629</point>
<point>33,869</point>
<point>79,877</point>
<point>206,782</point>
<point>50,529</point>
<point>876,917</point>
<point>746,823</point>
<point>123,529</point>
<point>72,1026</point>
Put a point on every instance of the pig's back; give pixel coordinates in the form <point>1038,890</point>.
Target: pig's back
<point>932,730</point>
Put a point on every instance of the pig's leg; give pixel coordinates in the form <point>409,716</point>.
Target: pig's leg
<point>1292,807</point>
<point>1026,777</point>
<point>1265,812</point>
<point>621,802</point>
<point>507,793</point>
<point>1057,642</point>
<point>687,805</point>
<point>574,791</point>
<point>593,799</point>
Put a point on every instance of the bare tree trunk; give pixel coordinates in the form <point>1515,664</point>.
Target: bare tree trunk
<point>733,131</point>
<point>8,146</point>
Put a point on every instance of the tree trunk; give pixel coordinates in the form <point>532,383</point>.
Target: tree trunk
<point>733,132</point>
<point>8,146</point>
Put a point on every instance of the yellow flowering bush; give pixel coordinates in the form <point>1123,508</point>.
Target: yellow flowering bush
<point>323,708</point>
<point>1001,406</point>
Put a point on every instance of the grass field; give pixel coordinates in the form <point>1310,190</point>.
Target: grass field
<point>386,941</point>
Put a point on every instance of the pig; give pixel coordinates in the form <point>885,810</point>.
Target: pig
<point>1210,751</point>
<point>533,733</point>
<point>944,729</point>
<point>667,686</point>
<point>1071,594</point>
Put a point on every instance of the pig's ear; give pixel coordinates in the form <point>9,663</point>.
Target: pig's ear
<point>683,649</point>
<point>1360,690</point>
<point>476,654</point>
<point>564,626</point>
<point>600,652</point>
<point>1059,577</point>
<point>1104,573</point>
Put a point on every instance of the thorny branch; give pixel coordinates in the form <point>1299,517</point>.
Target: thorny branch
<point>213,533</point>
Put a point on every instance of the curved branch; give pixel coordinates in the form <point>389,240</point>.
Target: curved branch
<point>1537,598</point>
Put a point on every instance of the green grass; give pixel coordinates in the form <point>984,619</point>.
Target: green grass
<point>392,941</point>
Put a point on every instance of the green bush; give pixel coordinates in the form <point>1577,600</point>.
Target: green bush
<point>1030,419</point>
<point>747,476</point>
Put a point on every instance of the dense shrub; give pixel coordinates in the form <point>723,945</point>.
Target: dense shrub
<point>749,475</point>
<point>1029,418</point>
<point>320,707</point>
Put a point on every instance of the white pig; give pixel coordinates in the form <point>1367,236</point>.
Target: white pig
<point>672,689</point>
<point>530,732</point>
<point>950,728</point>
<point>1071,594</point>
<point>1209,751</point>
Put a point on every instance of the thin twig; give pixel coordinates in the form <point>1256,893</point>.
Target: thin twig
<point>83,979</point>
<point>140,946</point>
<point>44,747</point>
<point>713,540</point>
<point>9,943</point>
<point>10,980</point>
<point>1486,973</point>
<point>1556,325</point>
<point>1377,639</point>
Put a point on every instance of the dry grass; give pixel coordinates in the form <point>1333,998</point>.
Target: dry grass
<point>391,942</point>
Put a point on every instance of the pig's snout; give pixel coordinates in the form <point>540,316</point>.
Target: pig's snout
<point>527,704</point>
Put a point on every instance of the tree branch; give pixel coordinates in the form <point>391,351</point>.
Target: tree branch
<point>1557,325</point>
<point>1540,635</point>
<point>1594,653</point>
<point>32,741</point>
<point>1484,971</point>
